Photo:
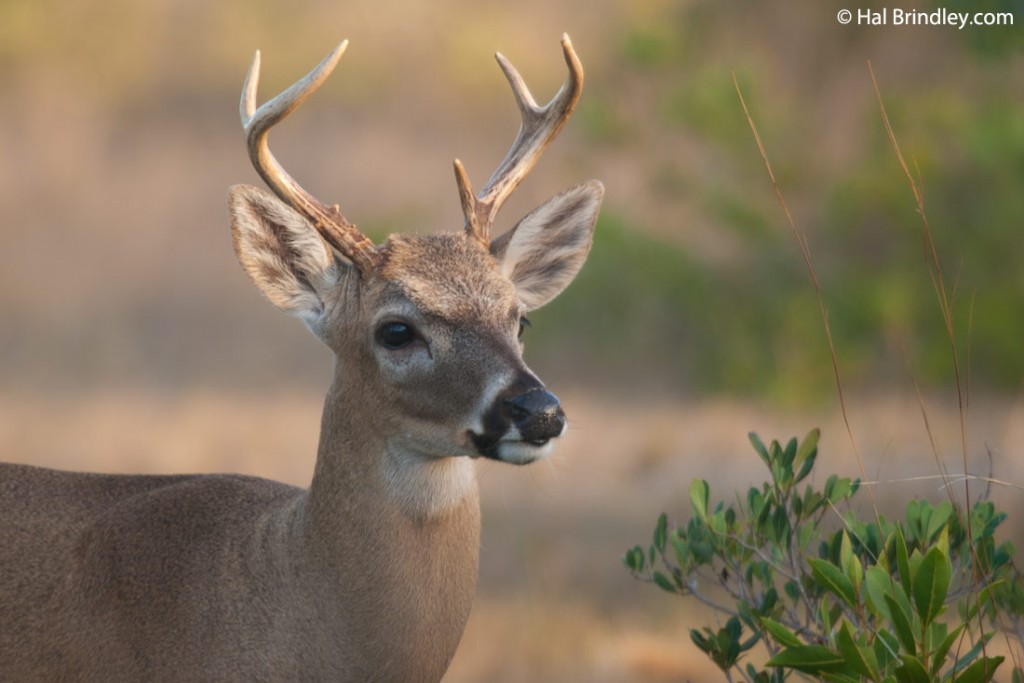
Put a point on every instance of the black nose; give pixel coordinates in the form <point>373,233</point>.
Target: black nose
<point>537,415</point>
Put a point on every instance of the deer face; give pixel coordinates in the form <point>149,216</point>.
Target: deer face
<point>430,338</point>
<point>424,328</point>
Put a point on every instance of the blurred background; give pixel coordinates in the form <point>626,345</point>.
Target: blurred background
<point>130,340</point>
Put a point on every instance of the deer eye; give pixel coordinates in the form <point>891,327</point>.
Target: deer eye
<point>524,322</point>
<point>395,335</point>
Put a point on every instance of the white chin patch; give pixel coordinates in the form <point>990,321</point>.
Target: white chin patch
<point>523,452</point>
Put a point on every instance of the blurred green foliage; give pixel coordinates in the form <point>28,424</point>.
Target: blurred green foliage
<point>750,323</point>
<point>625,309</point>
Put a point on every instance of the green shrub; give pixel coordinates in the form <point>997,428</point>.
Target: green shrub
<point>903,601</point>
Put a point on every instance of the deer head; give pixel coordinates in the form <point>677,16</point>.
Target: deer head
<point>426,329</point>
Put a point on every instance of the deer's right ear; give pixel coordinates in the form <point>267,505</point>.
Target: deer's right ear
<point>282,252</point>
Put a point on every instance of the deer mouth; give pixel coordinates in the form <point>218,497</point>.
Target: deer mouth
<point>511,447</point>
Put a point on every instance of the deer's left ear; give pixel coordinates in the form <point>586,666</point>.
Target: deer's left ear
<point>543,252</point>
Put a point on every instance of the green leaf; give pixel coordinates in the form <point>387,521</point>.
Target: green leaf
<point>808,443</point>
<point>934,634</point>
<point>1003,555</point>
<point>812,501</point>
<point>886,647</point>
<point>972,654</point>
<point>845,551</point>
<point>811,659</point>
<point>939,654</point>
<point>634,559</point>
<point>856,574</point>
<point>902,561</point>
<point>789,455</point>
<point>734,628</point>
<point>758,445</point>
<point>699,498</point>
<point>825,616</point>
<point>729,643</point>
<point>878,584</point>
<point>780,633</point>
<point>937,520</point>
<point>806,454</point>
<point>661,532</point>
<point>806,466</point>
<point>840,678</point>
<point>716,523</point>
<point>830,576</point>
<point>850,563</point>
<point>664,583</point>
<point>769,599</point>
<point>702,643</point>
<point>914,514</point>
<point>901,624</point>
<point>916,558</point>
<point>681,548</point>
<point>981,671</point>
<point>942,542</point>
<point>861,659</point>
<point>780,527</point>
<point>805,534</point>
<point>778,471</point>
<point>755,501</point>
<point>931,585</point>
<point>723,646</point>
<point>912,671</point>
<point>837,489</point>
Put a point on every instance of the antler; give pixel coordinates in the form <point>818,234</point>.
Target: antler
<point>539,127</point>
<point>332,226</point>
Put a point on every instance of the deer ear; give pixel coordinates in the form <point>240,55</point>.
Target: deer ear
<point>543,252</point>
<point>282,252</point>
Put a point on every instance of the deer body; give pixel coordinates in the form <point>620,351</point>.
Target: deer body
<point>239,585</point>
<point>370,573</point>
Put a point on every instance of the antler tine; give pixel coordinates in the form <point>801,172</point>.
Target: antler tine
<point>539,127</point>
<point>332,226</point>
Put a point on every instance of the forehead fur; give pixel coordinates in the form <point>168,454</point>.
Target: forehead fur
<point>448,275</point>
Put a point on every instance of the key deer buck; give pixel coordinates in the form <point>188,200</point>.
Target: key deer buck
<point>370,573</point>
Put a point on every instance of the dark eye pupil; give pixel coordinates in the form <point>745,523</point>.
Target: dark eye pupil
<point>395,335</point>
<point>524,322</point>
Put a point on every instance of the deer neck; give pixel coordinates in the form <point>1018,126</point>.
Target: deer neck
<point>401,528</point>
<point>364,472</point>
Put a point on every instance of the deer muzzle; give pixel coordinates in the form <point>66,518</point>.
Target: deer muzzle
<point>536,415</point>
<point>521,423</point>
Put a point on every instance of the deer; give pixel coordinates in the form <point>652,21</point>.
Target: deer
<point>368,574</point>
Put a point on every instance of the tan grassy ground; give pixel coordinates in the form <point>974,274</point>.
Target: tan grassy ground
<point>554,602</point>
